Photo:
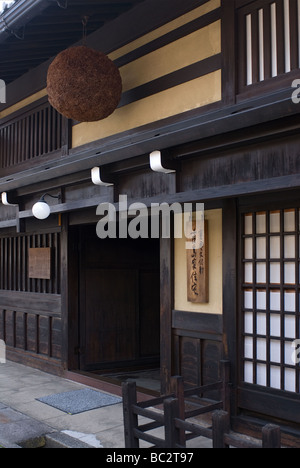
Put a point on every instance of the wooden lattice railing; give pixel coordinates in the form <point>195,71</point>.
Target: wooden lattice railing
<point>30,136</point>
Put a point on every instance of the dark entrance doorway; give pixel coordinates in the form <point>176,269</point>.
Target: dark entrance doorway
<point>119,303</point>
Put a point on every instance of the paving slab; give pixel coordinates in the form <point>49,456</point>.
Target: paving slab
<point>15,428</point>
<point>25,420</point>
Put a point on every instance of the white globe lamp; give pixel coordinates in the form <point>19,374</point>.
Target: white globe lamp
<point>41,210</point>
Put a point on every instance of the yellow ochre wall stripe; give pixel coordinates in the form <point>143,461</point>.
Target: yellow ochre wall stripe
<point>188,50</point>
<point>179,54</point>
<point>171,26</point>
<point>176,100</point>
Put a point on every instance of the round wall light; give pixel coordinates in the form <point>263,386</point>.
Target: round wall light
<point>41,209</point>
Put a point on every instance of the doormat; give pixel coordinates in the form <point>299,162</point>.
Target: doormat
<point>79,401</point>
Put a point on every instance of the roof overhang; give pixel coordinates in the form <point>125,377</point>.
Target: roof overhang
<point>18,15</point>
<point>34,31</point>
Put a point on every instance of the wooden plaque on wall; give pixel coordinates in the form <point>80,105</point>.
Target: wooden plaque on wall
<point>39,263</point>
<point>197,272</point>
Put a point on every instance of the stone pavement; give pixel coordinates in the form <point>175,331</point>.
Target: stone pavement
<point>23,418</point>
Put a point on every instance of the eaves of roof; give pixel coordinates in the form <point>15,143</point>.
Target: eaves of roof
<point>19,14</point>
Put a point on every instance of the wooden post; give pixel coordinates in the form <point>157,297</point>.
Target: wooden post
<point>130,419</point>
<point>271,436</point>
<point>221,426</point>
<point>225,377</point>
<point>177,387</point>
<point>166,307</point>
<point>172,433</point>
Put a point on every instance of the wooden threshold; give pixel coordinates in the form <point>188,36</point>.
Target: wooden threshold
<point>104,383</point>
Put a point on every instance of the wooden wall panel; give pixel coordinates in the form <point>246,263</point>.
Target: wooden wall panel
<point>140,185</point>
<point>269,159</point>
<point>198,347</point>
<point>9,328</point>
<point>190,360</point>
<point>32,333</point>
<point>20,330</point>
<point>56,341</point>
<point>43,331</point>
<point>30,309</point>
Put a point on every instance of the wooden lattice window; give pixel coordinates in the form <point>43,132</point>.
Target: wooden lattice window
<point>270,299</point>
<point>269,40</point>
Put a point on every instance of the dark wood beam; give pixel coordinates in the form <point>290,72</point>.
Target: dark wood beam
<point>160,135</point>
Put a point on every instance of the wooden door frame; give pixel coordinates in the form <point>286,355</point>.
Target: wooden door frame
<point>70,277</point>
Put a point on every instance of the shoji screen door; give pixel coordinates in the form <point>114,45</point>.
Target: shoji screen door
<point>270,305</point>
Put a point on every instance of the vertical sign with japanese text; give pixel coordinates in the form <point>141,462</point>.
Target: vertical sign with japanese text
<point>197,269</point>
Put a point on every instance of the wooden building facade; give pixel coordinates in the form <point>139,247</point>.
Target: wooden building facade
<point>210,84</point>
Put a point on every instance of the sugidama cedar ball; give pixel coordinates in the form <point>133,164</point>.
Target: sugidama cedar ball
<point>84,84</point>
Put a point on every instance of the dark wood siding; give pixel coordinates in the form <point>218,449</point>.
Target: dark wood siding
<point>30,309</point>
<point>31,134</point>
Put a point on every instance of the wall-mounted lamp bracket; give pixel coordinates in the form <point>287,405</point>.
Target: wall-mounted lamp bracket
<point>5,202</point>
<point>96,178</point>
<point>156,163</point>
<point>58,197</point>
<point>4,199</point>
<point>62,4</point>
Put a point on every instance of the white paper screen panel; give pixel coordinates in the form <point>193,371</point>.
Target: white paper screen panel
<point>270,298</point>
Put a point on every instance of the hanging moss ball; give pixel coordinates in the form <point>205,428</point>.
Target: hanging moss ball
<point>84,84</point>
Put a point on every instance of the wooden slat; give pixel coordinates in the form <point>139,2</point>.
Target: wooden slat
<point>267,35</point>
<point>149,438</point>
<point>34,303</point>
<point>255,47</point>
<point>280,37</point>
<point>196,429</point>
<point>294,34</point>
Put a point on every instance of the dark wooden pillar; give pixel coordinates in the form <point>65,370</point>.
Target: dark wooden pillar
<point>230,243</point>
<point>64,291</point>
<point>166,307</point>
<point>228,52</point>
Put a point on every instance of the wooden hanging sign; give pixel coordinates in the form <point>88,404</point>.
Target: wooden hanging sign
<point>197,270</point>
<point>39,264</point>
